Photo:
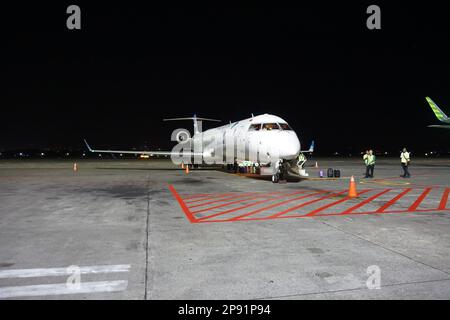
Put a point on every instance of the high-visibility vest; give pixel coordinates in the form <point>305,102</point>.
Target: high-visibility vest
<point>365,158</point>
<point>404,156</point>
<point>370,159</point>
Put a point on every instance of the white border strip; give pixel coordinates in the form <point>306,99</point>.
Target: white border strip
<point>54,272</point>
<point>62,288</point>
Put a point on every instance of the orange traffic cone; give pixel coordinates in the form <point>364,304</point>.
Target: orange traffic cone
<point>182,165</point>
<point>187,168</point>
<point>317,165</point>
<point>75,167</point>
<point>352,190</point>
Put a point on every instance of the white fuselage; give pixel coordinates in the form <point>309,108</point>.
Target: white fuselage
<point>262,139</point>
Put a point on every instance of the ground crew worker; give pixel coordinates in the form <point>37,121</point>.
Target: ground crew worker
<point>365,161</point>
<point>404,158</point>
<point>370,164</point>
<point>301,160</point>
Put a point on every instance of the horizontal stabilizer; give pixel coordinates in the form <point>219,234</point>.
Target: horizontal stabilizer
<point>191,118</point>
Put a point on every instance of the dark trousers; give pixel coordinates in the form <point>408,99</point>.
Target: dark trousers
<point>369,170</point>
<point>405,170</point>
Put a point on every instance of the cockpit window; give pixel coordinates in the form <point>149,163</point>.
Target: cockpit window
<point>285,126</point>
<point>271,126</point>
<point>255,127</point>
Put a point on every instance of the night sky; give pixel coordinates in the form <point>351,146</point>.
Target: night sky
<point>131,65</point>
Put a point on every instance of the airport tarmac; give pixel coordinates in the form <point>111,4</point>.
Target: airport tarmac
<point>144,229</point>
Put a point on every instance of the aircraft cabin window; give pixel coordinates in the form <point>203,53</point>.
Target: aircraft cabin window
<point>285,126</point>
<point>270,126</point>
<point>255,127</point>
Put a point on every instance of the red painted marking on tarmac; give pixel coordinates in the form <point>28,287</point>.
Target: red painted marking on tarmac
<point>217,196</point>
<point>319,215</point>
<point>362,203</point>
<point>314,212</point>
<point>393,200</point>
<point>251,205</point>
<point>368,212</point>
<point>419,200</point>
<point>235,202</point>
<point>304,204</point>
<point>195,196</point>
<point>249,194</point>
<point>188,214</point>
<point>443,203</point>
<point>274,205</point>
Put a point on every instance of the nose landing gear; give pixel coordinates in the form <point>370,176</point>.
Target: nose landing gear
<point>280,171</point>
<point>275,178</point>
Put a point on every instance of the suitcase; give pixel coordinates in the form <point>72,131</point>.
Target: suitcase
<point>330,173</point>
<point>337,173</point>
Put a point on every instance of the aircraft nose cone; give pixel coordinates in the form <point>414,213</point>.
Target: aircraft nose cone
<point>289,149</point>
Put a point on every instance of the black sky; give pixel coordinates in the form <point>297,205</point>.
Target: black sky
<point>131,65</point>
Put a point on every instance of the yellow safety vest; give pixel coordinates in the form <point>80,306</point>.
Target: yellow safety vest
<point>365,158</point>
<point>404,157</point>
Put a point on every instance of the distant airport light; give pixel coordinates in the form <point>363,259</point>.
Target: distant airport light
<point>84,154</point>
<point>99,154</point>
<point>67,154</point>
<point>121,155</point>
<point>42,154</point>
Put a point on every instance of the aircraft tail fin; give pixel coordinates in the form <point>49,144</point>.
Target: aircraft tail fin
<point>195,119</point>
<point>311,148</point>
<point>437,111</point>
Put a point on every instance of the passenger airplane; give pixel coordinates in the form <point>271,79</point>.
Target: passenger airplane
<point>266,140</point>
<point>439,114</point>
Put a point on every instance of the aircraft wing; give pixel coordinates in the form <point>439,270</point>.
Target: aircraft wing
<point>439,126</point>
<point>150,153</point>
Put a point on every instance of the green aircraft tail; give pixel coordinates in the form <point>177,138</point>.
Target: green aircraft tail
<point>437,111</point>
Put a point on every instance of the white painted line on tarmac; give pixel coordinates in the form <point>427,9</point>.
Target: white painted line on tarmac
<point>62,288</point>
<point>55,272</point>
